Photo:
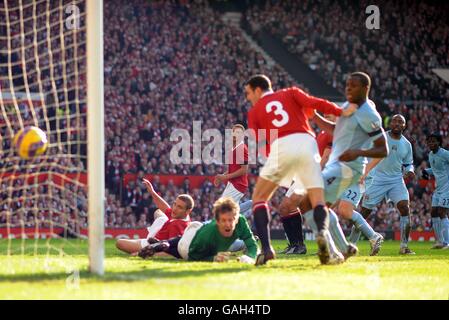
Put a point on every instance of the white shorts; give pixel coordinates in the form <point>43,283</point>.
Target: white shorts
<point>294,158</point>
<point>295,188</point>
<point>186,239</point>
<point>231,192</point>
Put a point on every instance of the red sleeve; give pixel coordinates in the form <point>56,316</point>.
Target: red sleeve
<point>168,213</point>
<point>310,113</point>
<point>308,101</point>
<point>176,228</point>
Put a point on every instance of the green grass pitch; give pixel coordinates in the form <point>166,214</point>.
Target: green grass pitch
<point>57,269</point>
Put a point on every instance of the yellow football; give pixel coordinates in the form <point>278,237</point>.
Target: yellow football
<point>30,142</point>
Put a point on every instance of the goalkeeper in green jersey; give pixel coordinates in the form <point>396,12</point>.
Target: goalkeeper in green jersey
<point>210,242</point>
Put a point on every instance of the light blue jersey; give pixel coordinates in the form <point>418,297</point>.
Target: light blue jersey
<point>386,179</point>
<point>439,162</point>
<point>390,169</point>
<point>356,132</point>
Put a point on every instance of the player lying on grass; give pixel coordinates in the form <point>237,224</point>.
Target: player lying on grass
<point>210,242</point>
<point>439,168</point>
<point>168,223</point>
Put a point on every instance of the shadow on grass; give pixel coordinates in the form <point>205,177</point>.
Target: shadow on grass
<point>148,273</point>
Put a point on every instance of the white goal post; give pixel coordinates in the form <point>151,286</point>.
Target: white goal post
<point>51,77</point>
<point>95,137</point>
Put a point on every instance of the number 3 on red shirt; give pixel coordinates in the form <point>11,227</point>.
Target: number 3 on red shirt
<point>278,111</point>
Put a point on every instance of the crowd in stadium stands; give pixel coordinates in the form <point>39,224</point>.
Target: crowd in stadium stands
<point>157,80</point>
<point>44,204</point>
<point>331,37</point>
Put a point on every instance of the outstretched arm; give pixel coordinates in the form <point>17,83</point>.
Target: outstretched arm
<point>307,101</point>
<point>324,124</point>
<point>322,105</point>
<point>160,202</point>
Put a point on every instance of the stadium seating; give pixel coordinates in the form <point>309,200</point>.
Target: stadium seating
<point>332,38</point>
<point>157,79</point>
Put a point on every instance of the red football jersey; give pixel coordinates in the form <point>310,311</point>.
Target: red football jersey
<point>173,227</point>
<point>287,111</point>
<point>324,140</point>
<point>240,183</point>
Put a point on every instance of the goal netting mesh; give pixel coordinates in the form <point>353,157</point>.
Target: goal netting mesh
<point>42,83</point>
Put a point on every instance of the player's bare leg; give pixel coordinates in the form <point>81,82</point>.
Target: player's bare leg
<point>405,225</point>
<point>129,246</point>
<point>263,192</point>
<point>292,221</point>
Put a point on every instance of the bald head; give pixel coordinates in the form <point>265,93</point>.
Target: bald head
<point>400,116</point>
<point>397,124</point>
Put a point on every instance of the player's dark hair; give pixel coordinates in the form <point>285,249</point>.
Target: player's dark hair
<point>259,81</point>
<point>188,200</point>
<point>362,77</point>
<point>225,205</point>
<point>437,136</point>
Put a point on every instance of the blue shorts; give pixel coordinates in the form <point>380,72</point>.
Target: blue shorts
<point>392,191</point>
<point>440,199</point>
<point>342,182</point>
<point>353,194</point>
<point>368,181</point>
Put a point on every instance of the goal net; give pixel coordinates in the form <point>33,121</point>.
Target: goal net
<point>43,83</point>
